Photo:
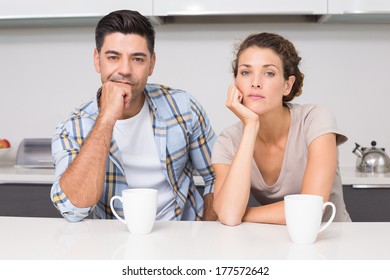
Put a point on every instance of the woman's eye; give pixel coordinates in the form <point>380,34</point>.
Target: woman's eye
<point>270,74</point>
<point>244,73</point>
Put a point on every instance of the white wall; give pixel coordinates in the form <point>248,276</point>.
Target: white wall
<point>45,72</point>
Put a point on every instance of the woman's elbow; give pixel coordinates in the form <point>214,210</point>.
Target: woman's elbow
<point>229,221</point>
<point>227,215</point>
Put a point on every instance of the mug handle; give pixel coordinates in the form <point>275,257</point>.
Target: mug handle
<point>113,209</point>
<point>331,217</point>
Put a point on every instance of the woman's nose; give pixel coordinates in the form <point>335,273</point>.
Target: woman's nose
<point>256,82</point>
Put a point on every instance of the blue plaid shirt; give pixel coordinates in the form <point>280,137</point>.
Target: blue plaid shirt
<point>184,139</point>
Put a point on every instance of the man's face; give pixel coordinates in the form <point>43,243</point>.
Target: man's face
<point>125,58</point>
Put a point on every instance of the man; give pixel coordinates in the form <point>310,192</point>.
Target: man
<point>132,134</point>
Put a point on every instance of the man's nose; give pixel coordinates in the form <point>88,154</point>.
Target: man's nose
<point>125,67</point>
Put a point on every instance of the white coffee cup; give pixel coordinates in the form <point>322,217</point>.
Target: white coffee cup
<point>139,209</point>
<point>303,214</point>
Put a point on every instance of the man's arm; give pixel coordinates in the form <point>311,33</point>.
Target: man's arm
<point>83,181</point>
<point>208,210</point>
<point>203,139</point>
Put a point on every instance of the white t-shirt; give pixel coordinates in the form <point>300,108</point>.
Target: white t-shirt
<point>141,163</point>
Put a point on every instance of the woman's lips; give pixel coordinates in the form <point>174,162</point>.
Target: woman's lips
<point>255,96</point>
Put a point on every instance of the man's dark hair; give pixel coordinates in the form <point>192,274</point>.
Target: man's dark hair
<point>125,22</point>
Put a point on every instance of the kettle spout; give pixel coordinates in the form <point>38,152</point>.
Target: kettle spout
<point>357,151</point>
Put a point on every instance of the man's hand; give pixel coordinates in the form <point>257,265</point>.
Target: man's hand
<point>116,97</point>
<point>208,210</point>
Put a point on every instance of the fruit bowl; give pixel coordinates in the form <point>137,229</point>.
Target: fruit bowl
<point>4,151</point>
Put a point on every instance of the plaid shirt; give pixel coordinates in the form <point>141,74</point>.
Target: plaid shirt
<point>184,140</point>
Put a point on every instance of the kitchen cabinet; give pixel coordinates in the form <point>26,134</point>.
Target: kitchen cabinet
<point>26,200</point>
<point>357,11</point>
<point>358,6</point>
<point>367,203</point>
<point>26,9</point>
<point>234,7</point>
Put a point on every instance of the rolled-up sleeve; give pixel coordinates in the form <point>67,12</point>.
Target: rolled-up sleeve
<point>202,141</point>
<point>64,150</point>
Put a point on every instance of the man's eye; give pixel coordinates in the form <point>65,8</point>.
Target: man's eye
<point>112,58</point>
<point>138,59</point>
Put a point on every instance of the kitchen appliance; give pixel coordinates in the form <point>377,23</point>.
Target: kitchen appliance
<point>371,159</point>
<point>34,153</point>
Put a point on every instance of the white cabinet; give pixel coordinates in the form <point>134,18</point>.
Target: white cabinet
<point>239,7</point>
<point>27,9</point>
<point>359,7</point>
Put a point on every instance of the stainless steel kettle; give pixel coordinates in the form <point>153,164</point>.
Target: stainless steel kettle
<point>371,159</point>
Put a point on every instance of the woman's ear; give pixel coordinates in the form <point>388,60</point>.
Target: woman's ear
<point>289,84</point>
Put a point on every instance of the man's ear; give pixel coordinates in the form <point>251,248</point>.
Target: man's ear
<point>96,60</point>
<point>152,63</point>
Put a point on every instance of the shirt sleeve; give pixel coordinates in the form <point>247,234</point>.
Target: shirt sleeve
<point>227,143</point>
<point>64,150</point>
<point>201,144</point>
<point>319,121</point>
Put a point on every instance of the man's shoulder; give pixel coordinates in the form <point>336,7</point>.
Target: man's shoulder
<point>84,115</point>
<point>165,96</point>
<point>162,91</point>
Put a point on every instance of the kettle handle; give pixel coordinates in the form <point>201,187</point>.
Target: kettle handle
<point>357,146</point>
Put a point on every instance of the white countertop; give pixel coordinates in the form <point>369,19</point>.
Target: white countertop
<point>18,175</point>
<point>51,238</point>
<point>11,174</point>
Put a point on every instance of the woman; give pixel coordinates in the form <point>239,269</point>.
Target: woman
<point>277,148</point>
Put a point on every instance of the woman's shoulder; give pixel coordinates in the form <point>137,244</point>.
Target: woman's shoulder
<point>316,120</point>
<point>306,109</point>
<point>233,131</point>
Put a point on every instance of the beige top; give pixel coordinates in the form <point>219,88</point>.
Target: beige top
<point>307,123</point>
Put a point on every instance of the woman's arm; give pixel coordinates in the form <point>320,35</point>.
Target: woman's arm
<point>318,179</point>
<point>232,182</point>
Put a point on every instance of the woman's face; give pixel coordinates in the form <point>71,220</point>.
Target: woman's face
<point>261,81</point>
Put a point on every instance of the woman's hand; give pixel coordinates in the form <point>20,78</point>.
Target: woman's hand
<point>234,103</point>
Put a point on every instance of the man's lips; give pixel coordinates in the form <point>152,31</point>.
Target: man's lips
<point>122,82</point>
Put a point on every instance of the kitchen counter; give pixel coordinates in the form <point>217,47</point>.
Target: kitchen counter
<point>18,175</point>
<point>11,174</point>
<point>349,176</point>
<point>55,238</point>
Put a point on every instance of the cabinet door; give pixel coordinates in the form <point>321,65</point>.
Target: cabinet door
<point>367,204</point>
<point>26,9</point>
<point>22,200</point>
<point>358,7</point>
<point>242,7</point>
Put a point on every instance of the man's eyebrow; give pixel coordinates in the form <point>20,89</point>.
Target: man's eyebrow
<point>112,52</point>
<point>139,54</point>
<point>133,54</point>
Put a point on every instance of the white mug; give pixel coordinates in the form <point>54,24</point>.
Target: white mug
<point>139,209</point>
<point>303,214</point>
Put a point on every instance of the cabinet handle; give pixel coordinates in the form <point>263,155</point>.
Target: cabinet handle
<point>374,186</point>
